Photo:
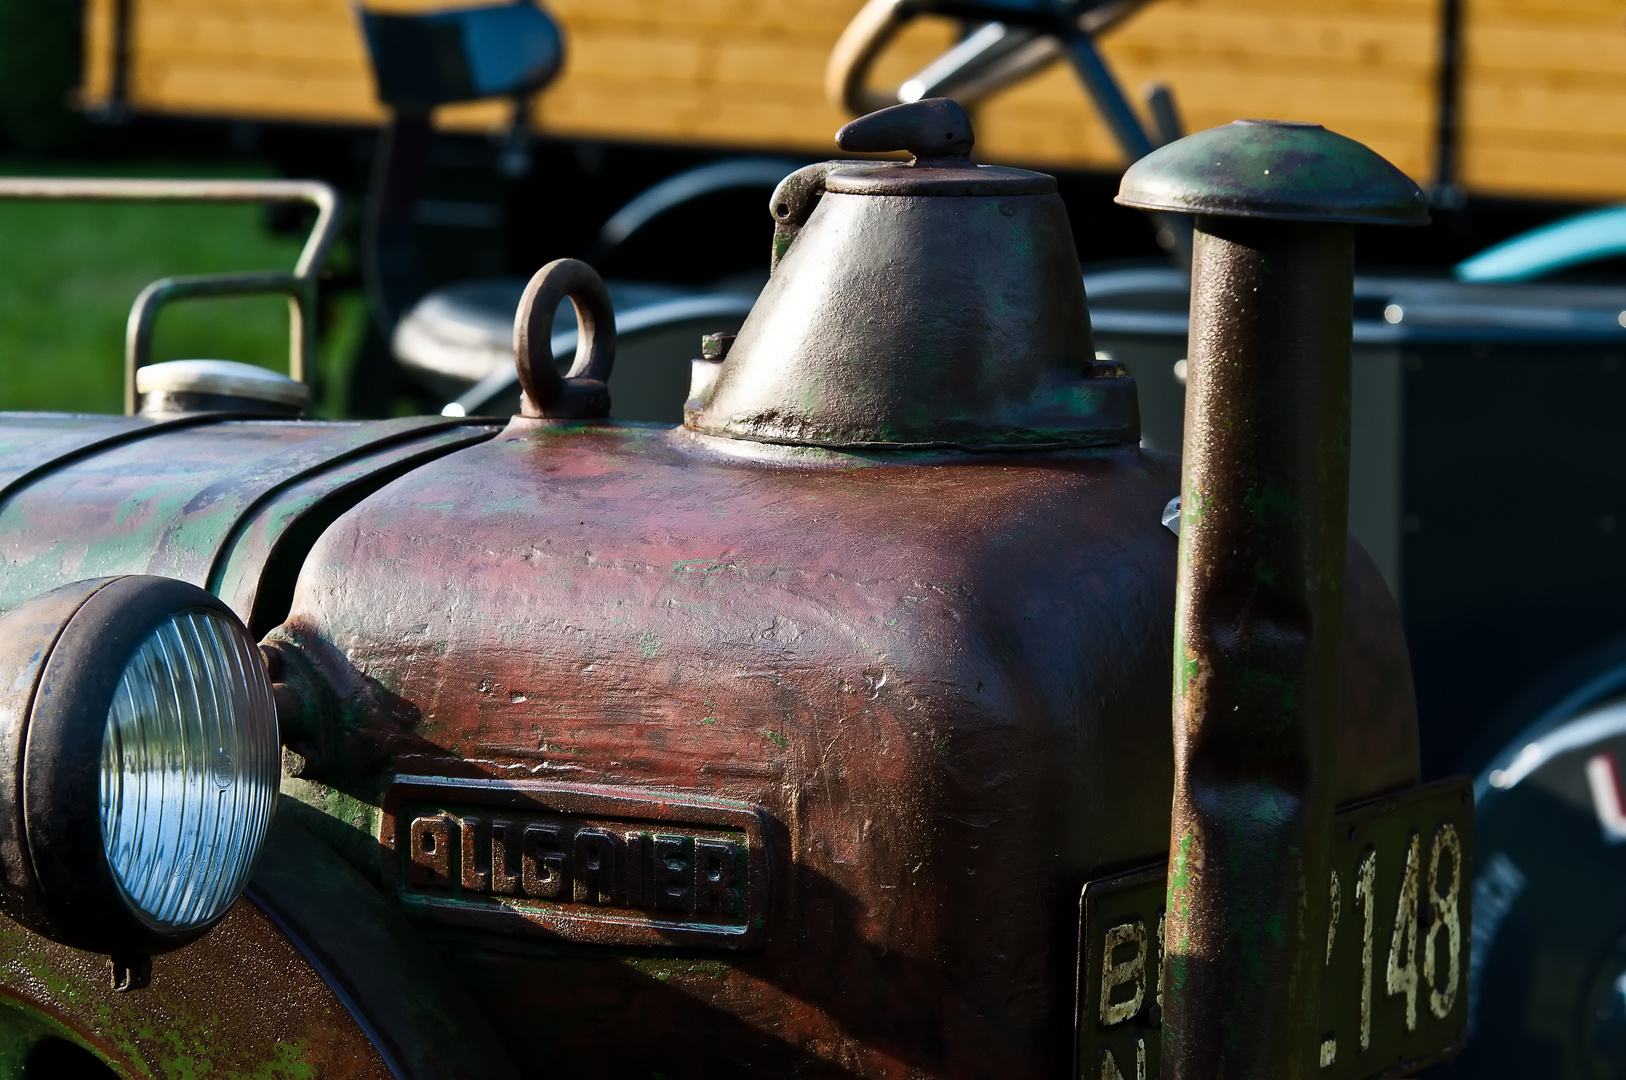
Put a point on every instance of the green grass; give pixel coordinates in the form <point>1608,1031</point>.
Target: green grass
<point>69,272</point>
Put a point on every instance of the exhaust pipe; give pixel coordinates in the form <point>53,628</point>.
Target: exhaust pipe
<point>1264,498</point>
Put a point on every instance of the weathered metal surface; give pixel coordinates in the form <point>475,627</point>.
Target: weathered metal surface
<point>1264,504</point>
<point>943,678</point>
<point>1264,499</point>
<point>933,304</point>
<point>1376,685</point>
<point>241,1002</point>
<point>260,559</point>
<point>35,442</point>
<point>205,500</point>
<point>1275,169</point>
<point>388,978</point>
<point>936,133</point>
<point>933,128</point>
<point>313,976</point>
<point>863,709</point>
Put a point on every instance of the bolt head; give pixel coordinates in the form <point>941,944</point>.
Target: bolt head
<point>714,347</point>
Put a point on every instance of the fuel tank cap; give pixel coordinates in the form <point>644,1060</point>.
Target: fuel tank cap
<point>177,386</point>
<point>934,304</point>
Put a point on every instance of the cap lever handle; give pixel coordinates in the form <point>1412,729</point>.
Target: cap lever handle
<point>934,130</point>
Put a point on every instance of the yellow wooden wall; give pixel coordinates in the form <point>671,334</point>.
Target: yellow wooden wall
<point>1545,98</point>
<point>1362,67</point>
<point>1544,80</point>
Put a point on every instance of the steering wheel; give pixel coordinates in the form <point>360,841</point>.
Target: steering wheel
<point>1018,38</point>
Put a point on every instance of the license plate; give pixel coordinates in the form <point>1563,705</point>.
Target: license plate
<point>1394,993</point>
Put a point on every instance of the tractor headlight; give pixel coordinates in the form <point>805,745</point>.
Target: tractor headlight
<point>140,714</point>
<point>189,770</point>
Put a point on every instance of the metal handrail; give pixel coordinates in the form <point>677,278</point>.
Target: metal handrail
<point>299,286</point>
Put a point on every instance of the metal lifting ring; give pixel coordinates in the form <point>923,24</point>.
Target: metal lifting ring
<point>584,392</point>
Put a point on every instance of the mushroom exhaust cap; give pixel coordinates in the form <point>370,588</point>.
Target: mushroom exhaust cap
<point>1274,169</point>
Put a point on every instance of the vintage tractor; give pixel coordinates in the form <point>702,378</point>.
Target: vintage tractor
<point>827,734</point>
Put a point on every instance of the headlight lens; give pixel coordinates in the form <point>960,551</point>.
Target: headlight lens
<point>189,770</point>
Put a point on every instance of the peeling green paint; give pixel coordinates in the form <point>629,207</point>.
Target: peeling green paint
<point>1190,668</point>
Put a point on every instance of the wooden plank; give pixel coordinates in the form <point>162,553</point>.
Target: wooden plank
<point>687,58</point>
<point>817,18</point>
<point>262,39</point>
<point>1544,99</point>
<point>232,91</point>
<point>1064,135</point>
<point>96,82</point>
<point>722,122</point>
<point>250,9</point>
<point>1299,37</point>
<point>475,116</point>
<point>1511,109</point>
<point>773,61</point>
<point>1275,36</point>
<point>1563,51</point>
<point>697,60</point>
<point>1507,169</point>
<point>807,16</point>
<point>1562,9</point>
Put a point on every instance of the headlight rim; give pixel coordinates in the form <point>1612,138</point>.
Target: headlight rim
<point>31,632</point>
<point>79,902</point>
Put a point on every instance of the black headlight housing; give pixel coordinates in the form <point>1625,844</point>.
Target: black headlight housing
<point>139,763</point>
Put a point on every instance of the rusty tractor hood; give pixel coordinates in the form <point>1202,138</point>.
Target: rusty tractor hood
<point>782,743</point>
<point>800,758</point>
